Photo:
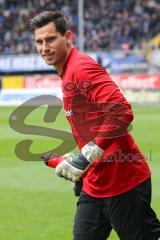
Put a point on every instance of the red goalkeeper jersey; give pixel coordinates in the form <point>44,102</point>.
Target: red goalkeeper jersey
<point>97,111</point>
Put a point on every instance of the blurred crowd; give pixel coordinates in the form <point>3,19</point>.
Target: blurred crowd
<point>108,24</point>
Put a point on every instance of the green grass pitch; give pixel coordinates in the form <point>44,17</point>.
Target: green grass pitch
<point>37,205</point>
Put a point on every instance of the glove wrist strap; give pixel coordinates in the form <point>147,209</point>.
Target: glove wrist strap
<point>91,151</point>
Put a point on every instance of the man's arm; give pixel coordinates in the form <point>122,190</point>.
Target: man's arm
<point>110,116</point>
<point>103,114</point>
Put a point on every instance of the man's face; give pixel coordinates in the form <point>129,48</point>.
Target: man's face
<point>51,45</point>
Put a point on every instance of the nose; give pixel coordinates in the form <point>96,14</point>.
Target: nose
<point>45,47</point>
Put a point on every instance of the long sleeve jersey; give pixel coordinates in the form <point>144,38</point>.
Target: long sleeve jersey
<point>97,111</point>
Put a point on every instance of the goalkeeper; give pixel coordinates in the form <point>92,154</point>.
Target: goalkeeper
<point>116,191</point>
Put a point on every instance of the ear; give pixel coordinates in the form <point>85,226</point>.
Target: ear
<point>69,37</point>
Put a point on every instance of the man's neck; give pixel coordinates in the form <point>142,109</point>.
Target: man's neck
<point>60,67</point>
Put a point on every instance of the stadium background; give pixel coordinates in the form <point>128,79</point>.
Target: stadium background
<point>122,35</point>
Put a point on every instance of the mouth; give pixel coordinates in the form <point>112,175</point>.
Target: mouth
<point>48,56</point>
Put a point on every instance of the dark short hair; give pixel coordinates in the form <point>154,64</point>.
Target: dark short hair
<point>43,18</point>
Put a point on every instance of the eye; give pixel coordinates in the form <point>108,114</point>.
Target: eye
<point>51,39</point>
<point>39,42</point>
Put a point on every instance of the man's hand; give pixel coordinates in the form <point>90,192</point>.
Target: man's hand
<point>72,168</point>
<point>75,164</point>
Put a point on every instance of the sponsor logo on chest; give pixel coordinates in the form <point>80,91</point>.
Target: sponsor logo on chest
<point>69,112</point>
